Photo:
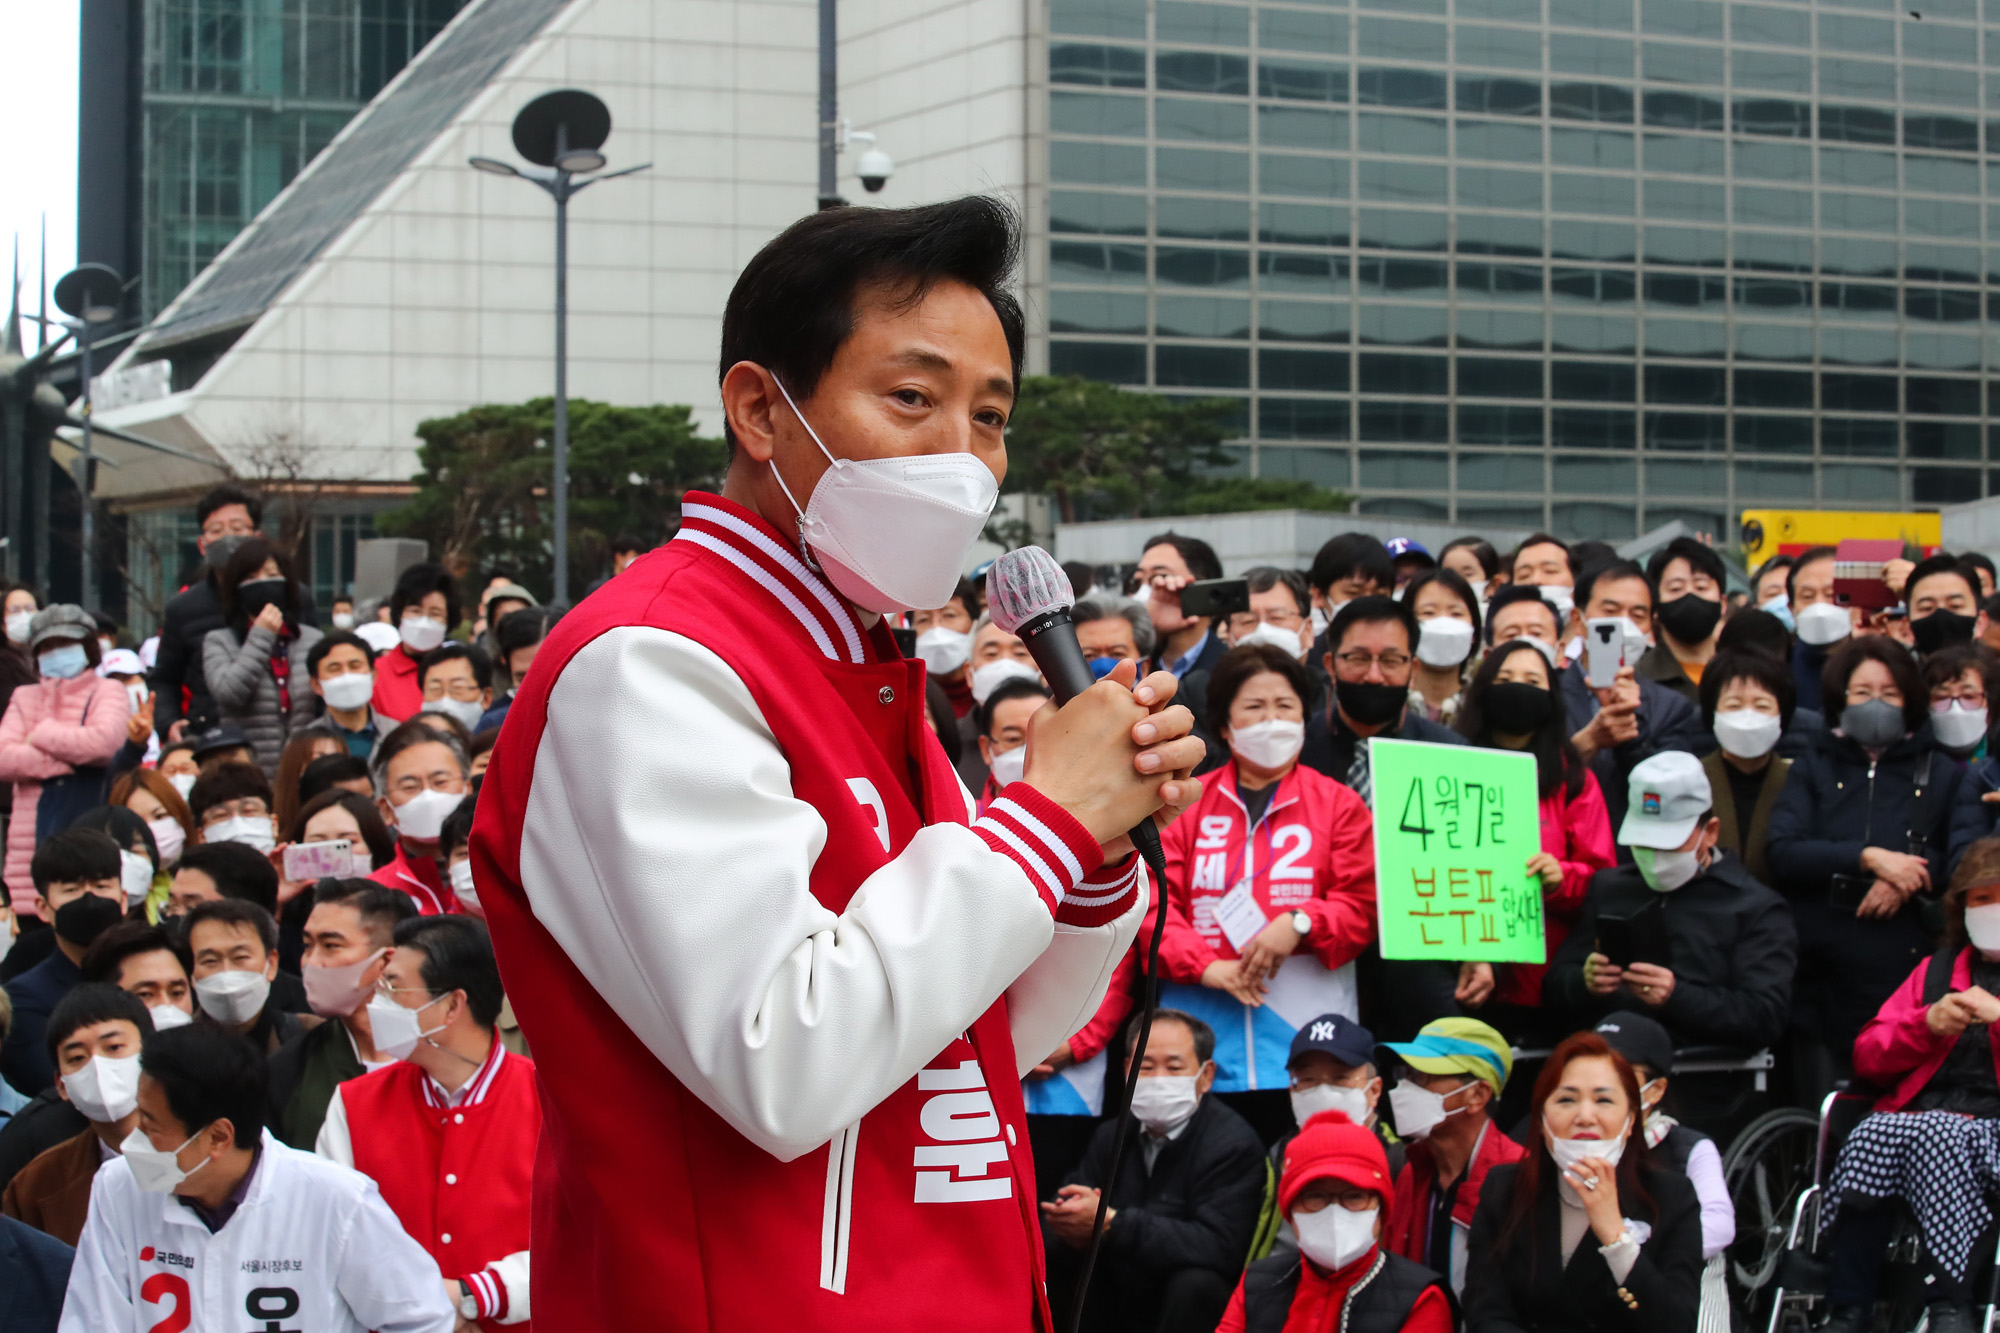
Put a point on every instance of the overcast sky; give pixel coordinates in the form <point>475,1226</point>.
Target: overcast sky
<point>38,105</point>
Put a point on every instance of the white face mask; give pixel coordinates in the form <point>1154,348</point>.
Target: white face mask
<point>182,783</point>
<point>943,650</point>
<point>136,695</point>
<point>343,620</point>
<point>169,837</point>
<point>465,712</point>
<point>232,997</point>
<point>1982,926</point>
<point>1443,642</point>
<point>1747,733</point>
<point>1569,1153</point>
<point>892,534</point>
<point>106,1090</point>
<point>1320,620</point>
<point>396,1029</point>
<point>154,1171</point>
<point>422,816</point>
<point>1561,598</point>
<point>1163,1102</point>
<point>1009,766</point>
<point>349,690</point>
<point>1958,727</point>
<point>135,873</point>
<point>1335,1237</point>
<point>17,625</point>
<point>1823,623</point>
<point>1271,744</point>
<point>1478,587</point>
<point>1418,1110</point>
<point>1285,640</point>
<point>420,634</point>
<point>463,889</point>
<point>992,675</point>
<point>167,1017</point>
<point>250,830</point>
<point>1666,871</point>
<point>1309,1102</point>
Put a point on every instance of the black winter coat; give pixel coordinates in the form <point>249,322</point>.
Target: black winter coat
<point>1733,949</point>
<point>1838,802</point>
<point>1196,1208</point>
<point>1666,722</point>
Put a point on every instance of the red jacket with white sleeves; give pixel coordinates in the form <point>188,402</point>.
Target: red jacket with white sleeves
<point>780,986</point>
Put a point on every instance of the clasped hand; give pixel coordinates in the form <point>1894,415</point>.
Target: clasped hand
<point>1116,754</point>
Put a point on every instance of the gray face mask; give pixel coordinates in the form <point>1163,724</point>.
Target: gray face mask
<point>1874,724</point>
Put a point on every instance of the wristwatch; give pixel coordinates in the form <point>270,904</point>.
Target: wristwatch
<point>1301,922</point>
<point>468,1304</point>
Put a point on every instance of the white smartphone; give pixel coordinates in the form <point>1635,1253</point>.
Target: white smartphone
<point>1603,651</point>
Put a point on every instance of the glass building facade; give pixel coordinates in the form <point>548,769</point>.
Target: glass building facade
<point>1595,264</point>
<point>236,96</point>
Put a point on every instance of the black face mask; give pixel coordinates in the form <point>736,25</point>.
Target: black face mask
<point>1690,619</point>
<point>1516,708</point>
<point>1371,705</point>
<point>82,920</point>
<point>1942,629</point>
<point>253,595</point>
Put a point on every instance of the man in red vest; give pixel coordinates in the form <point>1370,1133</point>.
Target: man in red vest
<point>781,984</point>
<point>448,1132</point>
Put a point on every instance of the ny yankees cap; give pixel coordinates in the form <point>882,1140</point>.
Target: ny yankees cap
<point>1668,797</point>
<point>1336,1035</point>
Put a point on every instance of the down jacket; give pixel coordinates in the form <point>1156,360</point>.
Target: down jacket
<point>51,729</point>
<point>238,672</point>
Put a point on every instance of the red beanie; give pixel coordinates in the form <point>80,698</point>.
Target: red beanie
<point>1332,1147</point>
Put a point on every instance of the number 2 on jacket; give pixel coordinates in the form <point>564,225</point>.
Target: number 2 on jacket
<point>161,1286</point>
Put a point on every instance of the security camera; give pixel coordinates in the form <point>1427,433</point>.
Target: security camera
<point>874,167</point>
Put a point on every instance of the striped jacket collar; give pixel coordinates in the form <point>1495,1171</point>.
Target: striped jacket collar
<point>760,554</point>
<point>473,1091</point>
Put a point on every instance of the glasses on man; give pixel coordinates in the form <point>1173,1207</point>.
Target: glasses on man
<point>1358,660</point>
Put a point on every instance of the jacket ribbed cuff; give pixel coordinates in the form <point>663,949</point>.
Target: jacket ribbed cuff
<point>486,1288</point>
<point>1104,895</point>
<point>1042,838</point>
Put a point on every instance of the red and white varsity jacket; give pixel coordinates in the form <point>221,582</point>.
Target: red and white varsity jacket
<point>456,1170</point>
<point>780,986</point>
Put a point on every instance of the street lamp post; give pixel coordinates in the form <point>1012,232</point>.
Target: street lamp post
<point>90,294</point>
<point>560,133</point>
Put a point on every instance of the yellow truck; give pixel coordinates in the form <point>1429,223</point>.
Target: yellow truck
<point>1769,532</point>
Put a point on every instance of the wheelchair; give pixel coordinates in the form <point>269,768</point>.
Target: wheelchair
<point>1778,1181</point>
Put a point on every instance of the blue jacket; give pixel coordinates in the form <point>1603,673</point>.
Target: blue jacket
<point>34,1275</point>
<point>24,1060</point>
<point>1808,663</point>
<point>1836,803</point>
<point>1972,818</point>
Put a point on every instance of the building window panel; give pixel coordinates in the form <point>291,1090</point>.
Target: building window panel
<point>1595,286</point>
<point>1847,481</point>
<point>1687,155</point>
<point>1940,351</point>
<point>1679,62</point>
<point>1777,294</point>
<point>1857,437</point>
<point>1773,163</point>
<point>1097,163</point>
<point>1839,211</point>
<point>1500,234</point>
<point>1198,218</point>
<point>1773,435</point>
<point>1612,241</point>
<point>1186,266</point>
<point>1773,70</point>
<point>1285,270</point>
<point>1209,122</point>
<point>1484,473</point>
<point>1595,333</point>
<point>1500,97</point>
<point>1097,66</point>
<point>1097,114</point>
<point>1851,32</point>
<point>1519,330</point>
<point>1102,214</point>
<point>1407,182</point>
<point>1302,127</point>
<point>1943,485</point>
<point>1299,30</point>
<point>1483,377</point>
<point>1386,372</point>
<point>1770,25</point>
<point>1516,425</point>
<point>1402,39</point>
<point>1405,325</point>
<point>1571,192</point>
<point>1201,72</point>
<point>1201,25</point>
<point>1857,393</point>
<point>1773,208</point>
<point>1416,278</point>
<point>1415,88</point>
<point>1928,261</point>
<point>1201,317</point>
<point>1322,467</point>
<point>1682,18</point>
<point>1934,41</point>
<point>1303,419</point>
<point>1784,252</point>
<point>1297,368</point>
<point>1688,291</point>
<point>1935,396</point>
<point>1690,201</point>
<point>1934,86</point>
<point>1686,384</point>
<point>1303,321</point>
<point>1404,229</point>
<point>1594,381</point>
<point>1111,363</point>
<point>1693,247</point>
<point>1580,53</point>
<point>1858,255</point>
<point>1944,218</point>
<point>1862,300</point>
<point>1857,124</point>
<point>1679,477</point>
<point>1762,480</point>
<point>1315,177</point>
<point>1612,150</point>
<point>1774,388</point>
<point>1301,80</point>
<point>1774,342</point>
<point>1604,522</point>
<point>1944,304</point>
<point>1099,18</point>
<point>1613,14</point>
<point>1602,102</point>
<point>1593,428</point>
<point>1957,134</point>
<point>1097,312</point>
<point>1491,187</point>
<point>1304,224</point>
<point>1942,439</point>
<point>1687,432</point>
<point>1499,141</point>
<point>1505,48</point>
<point>1394,469</point>
<point>1201,169</point>
<point>1583,475</point>
<point>1409,136</point>
<point>1182,366</point>
<point>1857,167</point>
<point>1081,261</point>
<point>1685,338</point>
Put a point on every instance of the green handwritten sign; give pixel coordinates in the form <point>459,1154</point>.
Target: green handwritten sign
<point>1454,828</point>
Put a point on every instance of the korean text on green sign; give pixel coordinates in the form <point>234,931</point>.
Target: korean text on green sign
<point>1455,826</point>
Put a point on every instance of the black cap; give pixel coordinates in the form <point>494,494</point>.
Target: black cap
<point>1336,1035</point>
<point>221,737</point>
<point>1641,1040</point>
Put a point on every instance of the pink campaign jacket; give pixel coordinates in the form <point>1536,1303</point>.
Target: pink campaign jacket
<point>1897,1050</point>
<point>52,728</point>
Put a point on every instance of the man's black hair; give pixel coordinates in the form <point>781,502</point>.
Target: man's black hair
<point>123,826</point>
<point>382,908</point>
<point>418,582</point>
<point>1196,554</point>
<point>1522,592</point>
<point>227,782</point>
<point>221,497</point>
<point>327,770</point>
<point>234,912</point>
<point>331,640</point>
<point>1266,577</point>
<point>1541,539</point>
<point>1701,558</point>
<point>90,1003</point>
<point>458,955</point>
<point>967,596</point>
<point>209,1073</point>
<point>238,869</point>
<point>1617,571</point>
<point>523,629</point>
<point>627,541</point>
<point>456,830</point>
<point>1203,1034</point>
<point>419,730</point>
<point>482,665</point>
<point>72,855</point>
<point>1749,630</point>
<point>1778,561</point>
<point>1016,687</point>
<point>1588,552</point>
<point>1773,673</point>
<point>793,306</point>
<point>1941,563</point>
<point>1810,556</point>
<point>1979,560</point>
<point>1352,555</point>
<point>1373,609</point>
<point>105,958</point>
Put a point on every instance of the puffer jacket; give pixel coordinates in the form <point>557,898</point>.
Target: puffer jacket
<point>238,672</point>
<point>1837,802</point>
<point>51,729</point>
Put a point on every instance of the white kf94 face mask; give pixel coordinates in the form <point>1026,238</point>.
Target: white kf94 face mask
<point>1271,744</point>
<point>892,534</point>
<point>1335,1237</point>
<point>1309,1102</point>
<point>106,1090</point>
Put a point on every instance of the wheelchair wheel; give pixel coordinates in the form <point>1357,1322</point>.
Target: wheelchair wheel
<point>1767,1168</point>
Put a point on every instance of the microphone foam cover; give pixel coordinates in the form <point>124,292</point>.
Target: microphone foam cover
<point>1025,584</point>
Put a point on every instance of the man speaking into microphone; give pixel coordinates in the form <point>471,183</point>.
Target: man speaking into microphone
<point>780,984</point>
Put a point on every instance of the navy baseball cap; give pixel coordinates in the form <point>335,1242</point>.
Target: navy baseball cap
<point>1336,1035</point>
<point>1399,547</point>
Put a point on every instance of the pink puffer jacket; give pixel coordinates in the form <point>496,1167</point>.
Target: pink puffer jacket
<point>46,734</point>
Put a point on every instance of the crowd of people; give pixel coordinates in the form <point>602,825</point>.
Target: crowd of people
<point>246,969</point>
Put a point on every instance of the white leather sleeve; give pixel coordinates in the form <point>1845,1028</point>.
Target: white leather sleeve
<point>511,1271</point>
<point>1059,993</point>
<point>665,852</point>
<point>334,1142</point>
